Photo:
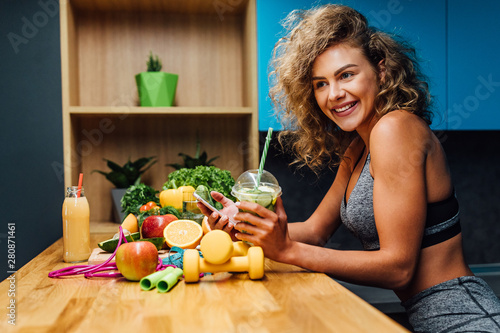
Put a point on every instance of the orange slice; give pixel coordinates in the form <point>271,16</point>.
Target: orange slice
<point>185,234</point>
<point>205,226</point>
<point>130,223</point>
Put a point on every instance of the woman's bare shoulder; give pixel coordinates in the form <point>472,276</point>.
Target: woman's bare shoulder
<point>400,136</point>
<point>401,127</point>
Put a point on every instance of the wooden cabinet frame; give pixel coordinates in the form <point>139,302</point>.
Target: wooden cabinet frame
<point>211,45</point>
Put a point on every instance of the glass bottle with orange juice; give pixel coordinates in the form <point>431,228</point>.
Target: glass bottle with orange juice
<point>76,226</point>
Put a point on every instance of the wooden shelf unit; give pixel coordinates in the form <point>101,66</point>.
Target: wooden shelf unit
<point>105,43</point>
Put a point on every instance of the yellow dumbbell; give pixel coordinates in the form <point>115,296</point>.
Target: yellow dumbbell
<point>220,254</point>
<point>217,247</point>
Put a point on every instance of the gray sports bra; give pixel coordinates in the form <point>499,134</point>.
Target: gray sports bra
<point>357,215</point>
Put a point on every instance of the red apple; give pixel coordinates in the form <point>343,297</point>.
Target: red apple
<point>153,225</point>
<point>136,260</point>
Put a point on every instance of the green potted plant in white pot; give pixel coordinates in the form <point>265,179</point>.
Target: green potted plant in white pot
<point>122,177</point>
<point>156,88</point>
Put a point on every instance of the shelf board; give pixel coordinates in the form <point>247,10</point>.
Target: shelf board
<point>157,111</point>
<point>178,7</point>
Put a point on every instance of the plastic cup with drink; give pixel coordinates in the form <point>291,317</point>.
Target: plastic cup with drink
<point>258,185</point>
<point>265,192</point>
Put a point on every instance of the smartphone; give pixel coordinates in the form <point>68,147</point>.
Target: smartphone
<point>206,203</point>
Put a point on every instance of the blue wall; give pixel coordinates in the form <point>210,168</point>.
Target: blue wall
<point>457,47</point>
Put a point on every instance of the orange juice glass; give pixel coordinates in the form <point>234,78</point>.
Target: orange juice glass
<point>76,226</point>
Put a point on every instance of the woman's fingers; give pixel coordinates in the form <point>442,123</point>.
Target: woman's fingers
<point>222,222</point>
<point>280,212</point>
<point>253,207</point>
<point>255,214</point>
<point>219,197</point>
<point>245,228</point>
<point>216,221</point>
<point>204,210</point>
<point>248,238</point>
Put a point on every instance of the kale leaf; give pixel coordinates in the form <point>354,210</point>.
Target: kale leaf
<point>136,196</point>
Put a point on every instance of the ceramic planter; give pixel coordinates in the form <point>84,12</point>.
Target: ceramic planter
<point>156,88</point>
<point>116,195</point>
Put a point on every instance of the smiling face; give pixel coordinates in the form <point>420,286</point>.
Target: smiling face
<point>345,85</point>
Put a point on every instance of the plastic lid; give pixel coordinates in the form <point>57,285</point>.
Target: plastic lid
<point>248,179</point>
<point>250,176</point>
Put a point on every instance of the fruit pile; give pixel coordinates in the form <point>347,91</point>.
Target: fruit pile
<point>154,223</point>
<point>137,259</point>
<point>163,231</point>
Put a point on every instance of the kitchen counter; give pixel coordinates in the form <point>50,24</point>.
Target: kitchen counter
<point>287,299</point>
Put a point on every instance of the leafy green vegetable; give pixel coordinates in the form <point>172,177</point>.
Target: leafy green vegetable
<point>136,196</point>
<point>212,177</point>
<point>170,210</point>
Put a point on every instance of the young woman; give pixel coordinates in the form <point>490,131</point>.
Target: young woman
<point>354,96</point>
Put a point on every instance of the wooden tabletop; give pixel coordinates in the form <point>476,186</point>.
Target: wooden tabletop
<point>287,299</point>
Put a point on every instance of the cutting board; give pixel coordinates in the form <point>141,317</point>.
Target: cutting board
<point>99,256</point>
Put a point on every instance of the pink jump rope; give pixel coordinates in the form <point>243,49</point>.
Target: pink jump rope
<point>95,270</point>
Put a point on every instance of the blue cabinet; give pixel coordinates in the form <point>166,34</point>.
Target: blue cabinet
<point>423,25</point>
<point>473,65</point>
<point>269,30</point>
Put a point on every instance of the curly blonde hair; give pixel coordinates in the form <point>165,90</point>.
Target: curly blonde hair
<point>314,138</point>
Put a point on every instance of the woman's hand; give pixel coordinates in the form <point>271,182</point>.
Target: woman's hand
<point>268,230</point>
<point>224,221</point>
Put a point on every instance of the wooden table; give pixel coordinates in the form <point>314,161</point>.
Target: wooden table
<point>287,299</point>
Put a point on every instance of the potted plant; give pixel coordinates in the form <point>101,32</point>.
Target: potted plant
<point>198,159</point>
<point>122,177</point>
<point>156,88</point>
